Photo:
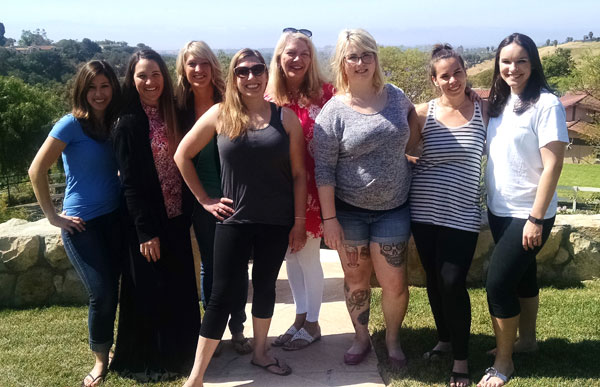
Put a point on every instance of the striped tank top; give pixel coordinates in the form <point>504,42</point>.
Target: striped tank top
<point>445,187</point>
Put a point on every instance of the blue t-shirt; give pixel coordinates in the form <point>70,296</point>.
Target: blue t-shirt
<point>93,186</point>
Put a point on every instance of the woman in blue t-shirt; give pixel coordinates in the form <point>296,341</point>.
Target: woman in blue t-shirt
<point>89,221</point>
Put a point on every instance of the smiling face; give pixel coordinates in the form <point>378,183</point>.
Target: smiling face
<point>515,67</point>
<point>99,94</point>
<point>198,72</point>
<point>252,85</point>
<point>295,60</point>
<point>149,81</point>
<point>450,77</point>
<point>361,71</point>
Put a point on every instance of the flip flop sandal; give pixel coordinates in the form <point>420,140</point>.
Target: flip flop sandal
<point>98,379</point>
<point>279,341</point>
<point>243,346</point>
<point>286,370</point>
<point>492,372</point>
<point>434,354</point>
<point>302,334</point>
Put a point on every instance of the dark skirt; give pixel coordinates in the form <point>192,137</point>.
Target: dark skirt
<point>159,316</point>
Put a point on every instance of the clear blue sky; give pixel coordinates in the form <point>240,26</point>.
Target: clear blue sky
<point>167,25</point>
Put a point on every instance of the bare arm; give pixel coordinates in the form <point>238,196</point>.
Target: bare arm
<point>194,141</point>
<point>38,173</point>
<point>297,237</point>
<point>552,158</point>
<point>332,230</point>
<point>415,131</point>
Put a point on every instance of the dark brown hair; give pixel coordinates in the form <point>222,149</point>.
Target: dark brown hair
<point>166,102</point>
<point>97,128</point>
<point>443,51</point>
<point>500,90</point>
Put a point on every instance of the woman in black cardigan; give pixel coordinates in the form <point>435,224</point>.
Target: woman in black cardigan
<point>159,317</point>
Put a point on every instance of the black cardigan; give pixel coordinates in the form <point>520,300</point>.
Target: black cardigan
<point>142,190</point>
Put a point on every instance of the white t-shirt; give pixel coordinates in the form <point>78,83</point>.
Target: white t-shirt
<point>514,162</point>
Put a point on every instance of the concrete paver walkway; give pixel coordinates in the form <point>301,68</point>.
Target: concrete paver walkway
<point>321,364</point>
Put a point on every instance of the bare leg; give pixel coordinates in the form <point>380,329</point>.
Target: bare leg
<point>260,355</point>
<point>389,261</point>
<point>357,266</point>
<point>505,330</point>
<point>527,341</point>
<point>204,352</point>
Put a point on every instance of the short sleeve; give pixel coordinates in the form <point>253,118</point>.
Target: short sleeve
<point>65,129</point>
<point>552,125</point>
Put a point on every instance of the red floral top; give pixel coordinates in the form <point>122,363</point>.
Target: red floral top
<point>307,115</point>
<point>168,175</point>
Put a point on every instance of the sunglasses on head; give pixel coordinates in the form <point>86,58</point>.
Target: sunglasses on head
<point>293,30</point>
<point>256,70</point>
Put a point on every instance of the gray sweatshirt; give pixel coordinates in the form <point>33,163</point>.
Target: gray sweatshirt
<point>362,155</point>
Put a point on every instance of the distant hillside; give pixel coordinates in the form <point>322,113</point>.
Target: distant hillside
<point>577,50</point>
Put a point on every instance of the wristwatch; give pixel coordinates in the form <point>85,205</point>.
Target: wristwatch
<point>535,220</point>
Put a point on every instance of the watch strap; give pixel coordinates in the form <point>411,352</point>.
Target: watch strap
<point>535,220</point>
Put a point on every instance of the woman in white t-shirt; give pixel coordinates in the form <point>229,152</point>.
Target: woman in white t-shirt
<point>526,141</point>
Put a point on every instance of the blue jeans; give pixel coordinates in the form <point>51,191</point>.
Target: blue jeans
<point>204,230</point>
<point>96,256</point>
<point>363,226</point>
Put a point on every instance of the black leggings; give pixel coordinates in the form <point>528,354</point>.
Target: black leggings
<point>234,243</point>
<point>512,271</point>
<point>446,254</point>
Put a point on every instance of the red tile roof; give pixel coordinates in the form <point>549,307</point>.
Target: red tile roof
<point>483,93</point>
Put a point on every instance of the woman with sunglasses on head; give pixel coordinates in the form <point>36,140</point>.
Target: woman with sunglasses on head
<point>363,180</point>
<point>199,86</point>
<point>296,83</point>
<point>159,318</point>
<point>444,203</point>
<point>90,222</point>
<point>526,141</point>
<point>261,150</point>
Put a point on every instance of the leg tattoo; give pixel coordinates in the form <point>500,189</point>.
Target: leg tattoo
<point>394,253</point>
<point>363,317</point>
<point>364,253</point>
<point>352,255</point>
<point>358,299</point>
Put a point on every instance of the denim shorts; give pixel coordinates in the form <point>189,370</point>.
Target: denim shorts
<point>362,227</point>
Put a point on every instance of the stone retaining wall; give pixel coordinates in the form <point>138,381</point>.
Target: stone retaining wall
<point>34,269</point>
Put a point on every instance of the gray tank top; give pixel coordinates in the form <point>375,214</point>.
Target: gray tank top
<point>256,174</point>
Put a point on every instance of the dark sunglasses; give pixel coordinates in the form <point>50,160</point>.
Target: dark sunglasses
<point>256,70</point>
<point>303,31</point>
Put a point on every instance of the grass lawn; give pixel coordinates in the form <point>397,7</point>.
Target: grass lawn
<point>568,334</point>
<point>583,175</point>
<point>49,346</point>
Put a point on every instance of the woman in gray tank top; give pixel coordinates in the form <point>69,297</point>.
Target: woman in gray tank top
<point>261,149</point>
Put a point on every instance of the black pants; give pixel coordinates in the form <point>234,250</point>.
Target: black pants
<point>512,273</point>
<point>234,243</point>
<point>446,254</point>
<point>204,230</point>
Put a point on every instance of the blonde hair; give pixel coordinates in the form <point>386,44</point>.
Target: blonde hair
<point>233,116</point>
<point>198,49</point>
<point>364,42</point>
<point>311,86</point>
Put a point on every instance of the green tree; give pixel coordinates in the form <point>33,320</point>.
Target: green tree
<point>559,64</point>
<point>408,69</point>
<point>569,39</point>
<point>2,32</point>
<point>26,115</point>
<point>35,38</point>
<point>555,42</point>
<point>591,35</point>
<point>547,42</point>
<point>482,79</point>
<point>586,78</point>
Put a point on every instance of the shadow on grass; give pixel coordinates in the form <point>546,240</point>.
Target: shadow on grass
<point>556,358</point>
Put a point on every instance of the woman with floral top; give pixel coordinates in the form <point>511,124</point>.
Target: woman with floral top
<point>159,319</point>
<point>296,82</point>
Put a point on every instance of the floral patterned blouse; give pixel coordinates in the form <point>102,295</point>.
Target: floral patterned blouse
<point>168,175</point>
<point>307,115</point>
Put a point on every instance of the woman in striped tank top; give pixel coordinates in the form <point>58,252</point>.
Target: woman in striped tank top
<point>444,203</point>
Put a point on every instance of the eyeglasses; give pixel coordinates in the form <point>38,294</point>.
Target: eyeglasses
<point>366,58</point>
<point>303,31</point>
<point>243,72</point>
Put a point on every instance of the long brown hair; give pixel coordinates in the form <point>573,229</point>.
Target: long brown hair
<point>166,103</point>
<point>233,116</point>
<point>97,128</point>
